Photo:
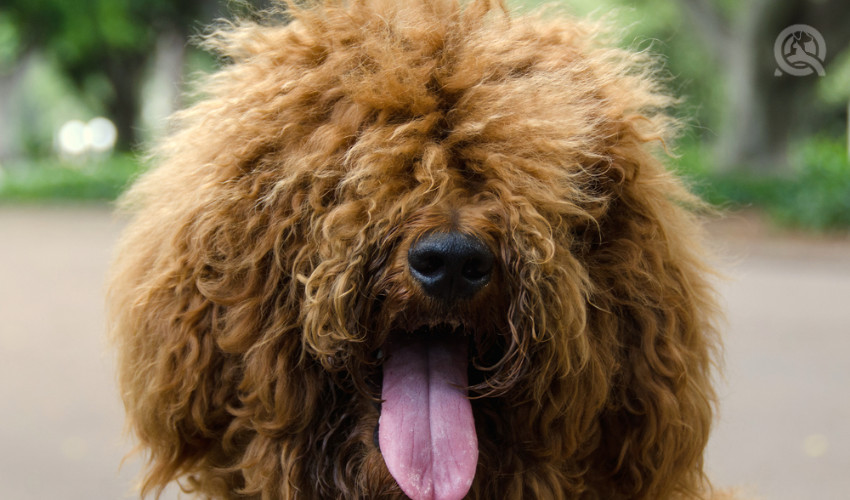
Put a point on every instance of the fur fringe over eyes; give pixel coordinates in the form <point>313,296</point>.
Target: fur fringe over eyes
<point>265,264</point>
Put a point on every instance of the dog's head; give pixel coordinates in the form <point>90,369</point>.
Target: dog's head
<point>437,219</point>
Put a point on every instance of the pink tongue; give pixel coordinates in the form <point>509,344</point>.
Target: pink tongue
<point>426,430</point>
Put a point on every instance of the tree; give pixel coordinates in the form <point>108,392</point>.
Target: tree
<point>110,40</point>
<point>765,110</point>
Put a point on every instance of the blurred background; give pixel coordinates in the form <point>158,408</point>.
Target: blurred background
<point>85,85</point>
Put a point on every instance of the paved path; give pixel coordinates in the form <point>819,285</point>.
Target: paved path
<point>785,410</point>
<point>785,422</point>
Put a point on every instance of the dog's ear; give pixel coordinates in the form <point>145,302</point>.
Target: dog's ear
<point>652,312</point>
<point>207,294</point>
<point>204,312</point>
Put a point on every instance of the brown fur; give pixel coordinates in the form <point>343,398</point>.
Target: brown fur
<point>266,265</point>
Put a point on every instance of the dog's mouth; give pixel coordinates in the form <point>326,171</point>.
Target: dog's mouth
<point>426,429</point>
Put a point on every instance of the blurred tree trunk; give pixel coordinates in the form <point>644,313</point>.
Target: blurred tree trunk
<point>125,75</point>
<point>10,83</point>
<point>765,112</point>
<point>164,91</point>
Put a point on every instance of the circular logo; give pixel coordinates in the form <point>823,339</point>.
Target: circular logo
<point>800,50</point>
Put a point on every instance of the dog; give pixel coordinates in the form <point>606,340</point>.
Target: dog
<point>418,249</point>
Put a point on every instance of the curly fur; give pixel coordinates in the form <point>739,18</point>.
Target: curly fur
<point>265,264</point>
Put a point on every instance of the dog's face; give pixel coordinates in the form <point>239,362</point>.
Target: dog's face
<point>419,249</point>
<point>454,211</point>
<point>449,293</point>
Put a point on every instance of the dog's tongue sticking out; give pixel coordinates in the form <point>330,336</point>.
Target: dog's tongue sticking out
<point>426,430</point>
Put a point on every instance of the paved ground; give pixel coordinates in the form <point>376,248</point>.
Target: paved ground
<point>784,428</point>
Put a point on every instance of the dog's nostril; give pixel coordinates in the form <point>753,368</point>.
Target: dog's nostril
<point>476,269</point>
<point>450,266</point>
<point>428,263</point>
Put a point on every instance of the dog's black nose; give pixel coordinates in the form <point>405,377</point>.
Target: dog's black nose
<point>450,266</point>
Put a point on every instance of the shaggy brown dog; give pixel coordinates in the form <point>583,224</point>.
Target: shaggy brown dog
<point>417,248</point>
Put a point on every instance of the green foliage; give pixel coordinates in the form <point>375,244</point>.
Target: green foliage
<point>9,42</point>
<point>834,88</point>
<point>816,196</point>
<point>79,31</point>
<point>819,197</point>
<point>54,180</point>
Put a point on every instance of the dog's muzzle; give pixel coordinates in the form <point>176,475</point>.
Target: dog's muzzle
<point>426,431</point>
